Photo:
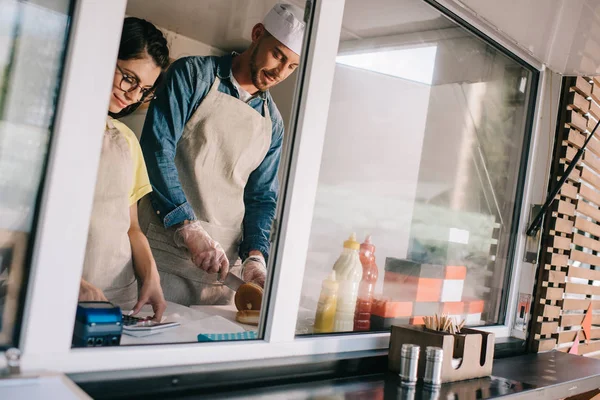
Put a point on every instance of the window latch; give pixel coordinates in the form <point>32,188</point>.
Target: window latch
<point>13,363</point>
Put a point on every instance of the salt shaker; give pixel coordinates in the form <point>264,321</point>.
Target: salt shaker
<point>409,362</point>
<point>433,367</point>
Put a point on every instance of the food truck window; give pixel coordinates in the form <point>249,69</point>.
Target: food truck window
<point>421,177</point>
<point>33,39</point>
<point>190,170</point>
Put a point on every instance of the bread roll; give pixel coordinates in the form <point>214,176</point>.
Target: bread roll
<point>249,317</point>
<point>248,297</point>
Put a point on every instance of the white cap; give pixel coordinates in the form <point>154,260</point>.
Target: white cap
<point>286,23</point>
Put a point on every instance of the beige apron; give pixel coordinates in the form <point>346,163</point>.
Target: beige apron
<point>108,262</point>
<point>222,143</point>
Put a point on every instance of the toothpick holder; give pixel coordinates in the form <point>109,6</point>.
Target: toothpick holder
<point>474,348</point>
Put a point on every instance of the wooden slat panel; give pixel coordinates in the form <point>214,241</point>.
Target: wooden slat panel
<point>592,161</point>
<point>589,194</point>
<point>578,288</point>
<point>586,242</point>
<point>546,328</point>
<point>554,276</point>
<point>583,86</point>
<point>559,260</point>
<point>577,100</point>
<point>570,336</point>
<point>551,311</point>
<point>548,293</point>
<point>545,344</point>
<point>577,319</point>
<point>583,273</point>
<point>587,226</point>
<point>579,304</point>
<point>563,225</point>
<point>588,210</point>
<point>575,138</point>
<point>569,190</point>
<point>575,174</point>
<point>585,258</point>
<point>577,121</point>
<point>565,208</point>
<point>591,178</point>
<point>596,96</point>
<point>589,348</point>
<point>559,242</point>
<point>570,153</point>
<point>595,109</point>
<point>594,145</point>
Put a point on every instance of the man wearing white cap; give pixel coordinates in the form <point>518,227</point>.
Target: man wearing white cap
<point>212,143</point>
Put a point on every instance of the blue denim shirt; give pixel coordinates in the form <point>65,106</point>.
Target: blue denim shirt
<point>188,80</point>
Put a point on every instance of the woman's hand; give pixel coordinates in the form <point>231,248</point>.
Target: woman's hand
<point>145,268</point>
<point>151,293</point>
<point>89,292</point>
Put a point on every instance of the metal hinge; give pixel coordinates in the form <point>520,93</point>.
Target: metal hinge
<point>13,363</point>
<point>532,243</point>
<point>307,10</point>
<point>274,230</point>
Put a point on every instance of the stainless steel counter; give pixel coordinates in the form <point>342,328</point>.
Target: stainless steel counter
<point>552,375</point>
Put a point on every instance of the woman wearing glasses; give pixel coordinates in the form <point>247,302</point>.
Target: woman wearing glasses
<point>117,250</point>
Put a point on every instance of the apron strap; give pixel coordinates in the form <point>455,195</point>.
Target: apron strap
<point>215,86</point>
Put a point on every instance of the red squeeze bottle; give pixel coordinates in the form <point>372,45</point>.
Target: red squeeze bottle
<point>362,314</point>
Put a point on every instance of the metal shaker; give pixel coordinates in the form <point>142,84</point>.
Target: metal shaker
<point>409,363</point>
<point>433,367</point>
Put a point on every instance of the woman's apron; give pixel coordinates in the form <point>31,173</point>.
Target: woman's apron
<point>222,143</point>
<point>108,262</point>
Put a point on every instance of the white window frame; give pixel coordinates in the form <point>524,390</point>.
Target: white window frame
<point>62,230</point>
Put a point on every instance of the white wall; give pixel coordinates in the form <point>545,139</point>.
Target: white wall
<point>369,170</point>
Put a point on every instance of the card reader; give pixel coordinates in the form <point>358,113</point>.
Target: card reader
<point>97,323</point>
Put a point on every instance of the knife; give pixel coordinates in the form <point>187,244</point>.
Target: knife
<point>232,282</point>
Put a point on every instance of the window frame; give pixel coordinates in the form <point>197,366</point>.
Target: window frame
<point>60,245</point>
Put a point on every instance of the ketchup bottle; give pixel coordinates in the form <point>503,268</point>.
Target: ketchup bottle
<point>362,313</point>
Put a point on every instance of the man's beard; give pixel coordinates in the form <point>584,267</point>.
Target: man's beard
<point>255,73</point>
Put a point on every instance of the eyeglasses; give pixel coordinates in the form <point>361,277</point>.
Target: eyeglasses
<point>130,83</point>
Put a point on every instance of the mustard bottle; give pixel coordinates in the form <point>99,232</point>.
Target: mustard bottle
<point>325,315</point>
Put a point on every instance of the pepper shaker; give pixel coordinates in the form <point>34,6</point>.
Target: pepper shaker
<point>409,363</point>
<point>433,367</point>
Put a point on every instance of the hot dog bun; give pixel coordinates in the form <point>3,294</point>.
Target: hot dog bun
<point>249,317</point>
<point>249,297</point>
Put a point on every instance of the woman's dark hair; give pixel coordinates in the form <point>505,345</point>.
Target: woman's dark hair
<point>140,39</point>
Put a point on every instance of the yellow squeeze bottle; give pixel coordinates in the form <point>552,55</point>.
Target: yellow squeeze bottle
<point>325,316</point>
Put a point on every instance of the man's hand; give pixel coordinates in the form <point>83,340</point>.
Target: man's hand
<point>89,292</point>
<point>151,293</point>
<point>254,269</point>
<point>206,253</point>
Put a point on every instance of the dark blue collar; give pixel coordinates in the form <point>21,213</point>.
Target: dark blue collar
<point>224,64</point>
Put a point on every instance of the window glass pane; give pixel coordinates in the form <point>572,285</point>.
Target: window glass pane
<point>206,151</point>
<point>423,151</point>
<point>32,45</point>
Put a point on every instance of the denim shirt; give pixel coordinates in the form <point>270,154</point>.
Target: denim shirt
<point>188,80</point>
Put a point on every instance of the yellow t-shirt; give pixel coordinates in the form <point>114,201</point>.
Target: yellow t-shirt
<point>141,182</point>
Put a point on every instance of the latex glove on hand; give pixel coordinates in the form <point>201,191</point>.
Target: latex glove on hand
<point>254,269</point>
<point>206,253</point>
<point>151,293</point>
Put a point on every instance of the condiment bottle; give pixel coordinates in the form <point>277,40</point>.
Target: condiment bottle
<point>348,272</point>
<point>362,314</point>
<point>325,315</point>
